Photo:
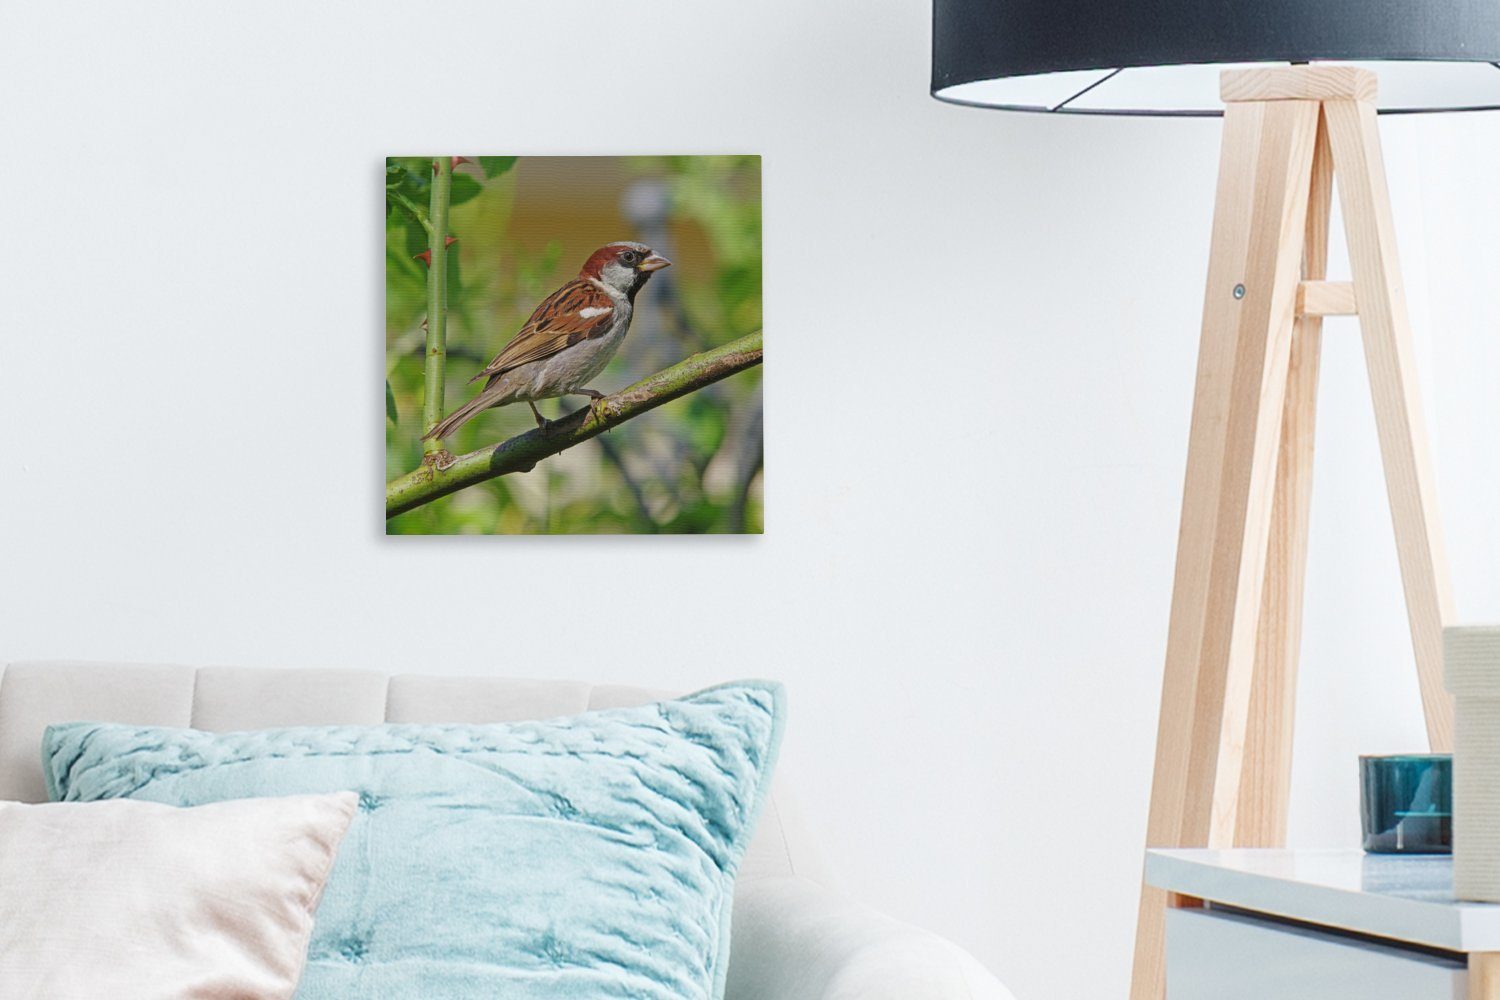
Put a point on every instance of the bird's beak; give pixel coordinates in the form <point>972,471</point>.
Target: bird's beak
<point>655,262</point>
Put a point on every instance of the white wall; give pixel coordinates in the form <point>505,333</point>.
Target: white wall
<point>982,335</point>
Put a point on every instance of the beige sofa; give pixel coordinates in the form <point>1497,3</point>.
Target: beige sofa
<point>792,938</point>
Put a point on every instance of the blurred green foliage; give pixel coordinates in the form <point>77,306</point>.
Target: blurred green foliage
<point>523,227</point>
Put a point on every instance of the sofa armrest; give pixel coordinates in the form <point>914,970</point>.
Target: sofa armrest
<point>794,940</point>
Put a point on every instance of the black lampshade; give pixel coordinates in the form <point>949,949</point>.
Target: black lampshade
<point>1163,56</point>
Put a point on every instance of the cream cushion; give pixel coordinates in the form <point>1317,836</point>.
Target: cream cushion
<point>146,901</point>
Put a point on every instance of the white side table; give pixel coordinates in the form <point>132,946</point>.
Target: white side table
<point>1322,925</point>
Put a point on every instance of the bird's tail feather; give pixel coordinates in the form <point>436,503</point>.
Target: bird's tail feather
<point>462,415</point>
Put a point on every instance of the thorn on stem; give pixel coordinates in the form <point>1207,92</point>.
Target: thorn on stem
<point>426,255</point>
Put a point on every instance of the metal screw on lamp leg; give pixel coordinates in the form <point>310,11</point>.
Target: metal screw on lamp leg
<point>1239,291</point>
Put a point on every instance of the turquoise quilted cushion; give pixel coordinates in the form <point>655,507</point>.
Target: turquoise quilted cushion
<point>585,858</point>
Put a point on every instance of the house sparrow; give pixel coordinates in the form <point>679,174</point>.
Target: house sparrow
<point>568,340</point>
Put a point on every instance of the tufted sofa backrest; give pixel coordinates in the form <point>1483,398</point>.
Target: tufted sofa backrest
<point>225,699</point>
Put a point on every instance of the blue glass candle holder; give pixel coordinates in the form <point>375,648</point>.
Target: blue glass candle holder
<point>1406,803</point>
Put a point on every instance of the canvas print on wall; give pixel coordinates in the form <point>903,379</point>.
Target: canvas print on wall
<point>573,345</point>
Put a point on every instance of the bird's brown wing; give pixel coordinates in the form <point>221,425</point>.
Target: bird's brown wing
<point>578,311</point>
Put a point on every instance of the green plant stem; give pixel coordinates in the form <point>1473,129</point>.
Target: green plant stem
<point>412,209</point>
<point>521,453</point>
<point>436,357</point>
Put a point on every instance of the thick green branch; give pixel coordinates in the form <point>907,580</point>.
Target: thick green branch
<point>521,453</point>
<point>437,299</point>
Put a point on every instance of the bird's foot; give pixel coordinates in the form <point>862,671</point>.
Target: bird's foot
<point>596,403</point>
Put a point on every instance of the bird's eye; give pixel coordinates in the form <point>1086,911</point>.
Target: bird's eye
<point>630,257</point>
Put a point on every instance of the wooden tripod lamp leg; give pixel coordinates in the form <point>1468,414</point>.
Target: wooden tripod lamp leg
<point>1244,358</point>
<point>1398,407</point>
<point>1236,601</point>
<point>1265,781</point>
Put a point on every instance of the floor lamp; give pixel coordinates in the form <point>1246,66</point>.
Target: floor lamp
<point>1295,83</point>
